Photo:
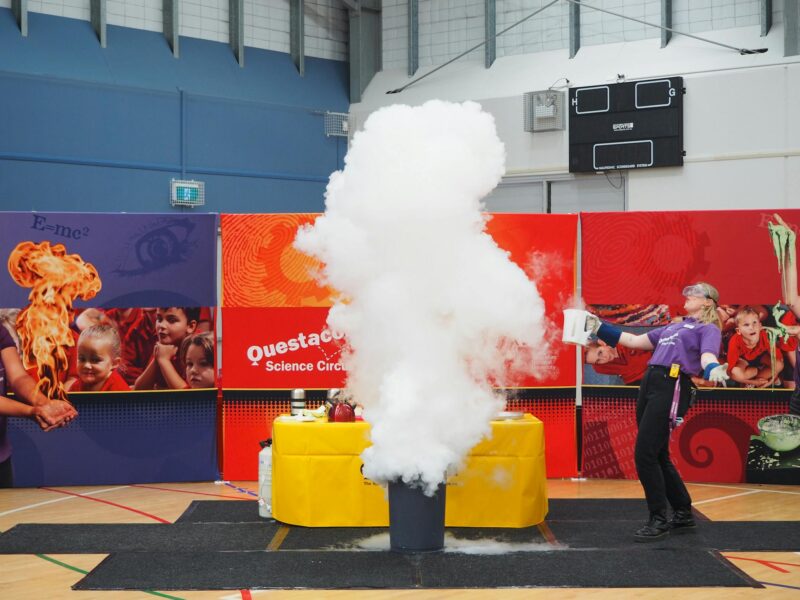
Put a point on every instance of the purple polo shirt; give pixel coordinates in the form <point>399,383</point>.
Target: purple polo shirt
<point>683,343</point>
<point>5,446</point>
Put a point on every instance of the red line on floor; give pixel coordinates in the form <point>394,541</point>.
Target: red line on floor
<point>159,519</point>
<point>152,487</point>
<point>767,563</point>
<point>246,595</point>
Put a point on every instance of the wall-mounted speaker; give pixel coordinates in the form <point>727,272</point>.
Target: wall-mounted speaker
<point>544,111</point>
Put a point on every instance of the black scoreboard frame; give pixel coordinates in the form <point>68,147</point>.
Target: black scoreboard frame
<point>630,125</point>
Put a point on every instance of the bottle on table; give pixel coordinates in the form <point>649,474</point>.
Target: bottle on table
<point>298,401</point>
<point>265,479</point>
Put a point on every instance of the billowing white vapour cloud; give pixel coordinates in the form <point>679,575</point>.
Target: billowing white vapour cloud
<point>433,310</point>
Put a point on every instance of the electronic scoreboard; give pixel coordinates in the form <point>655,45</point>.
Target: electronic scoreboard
<point>631,125</point>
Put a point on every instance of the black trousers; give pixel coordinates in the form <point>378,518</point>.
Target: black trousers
<point>661,482</point>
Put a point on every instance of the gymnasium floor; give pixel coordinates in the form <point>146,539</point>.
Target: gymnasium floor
<point>51,576</point>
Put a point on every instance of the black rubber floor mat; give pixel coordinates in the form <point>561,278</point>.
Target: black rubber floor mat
<point>360,570</point>
<point>107,538</point>
<point>377,538</point>
<point>222,511</point>
<point>596,509</point>
<point>560,509</point>
<point>775,536</point>
<point>250,570</point>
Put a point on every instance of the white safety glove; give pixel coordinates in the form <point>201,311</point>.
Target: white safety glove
<point>719,374</point>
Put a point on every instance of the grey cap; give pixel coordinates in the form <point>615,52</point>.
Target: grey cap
<point>298,394</point>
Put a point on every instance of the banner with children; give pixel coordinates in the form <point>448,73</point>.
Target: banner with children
<point>111,302</point>
<point>97,311</point>
<point>635,268</point>
<point>275,312</point>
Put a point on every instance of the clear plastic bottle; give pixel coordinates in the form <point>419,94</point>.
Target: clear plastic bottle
<point>265,479</point>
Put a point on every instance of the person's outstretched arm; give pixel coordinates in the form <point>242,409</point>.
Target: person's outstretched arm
<point>48,413</point>
<point>613,335</point>
<point>23,384</point>
<point>792,294</point>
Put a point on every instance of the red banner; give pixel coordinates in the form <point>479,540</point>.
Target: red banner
<point>717,443</point>
<point>274,348</point>
<point>648,257</point>
<point>274,313</point>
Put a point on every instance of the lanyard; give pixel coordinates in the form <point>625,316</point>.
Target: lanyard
<point>674,419</point>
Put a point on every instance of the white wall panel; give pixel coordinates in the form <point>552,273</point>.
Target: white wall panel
<point>722,185</point>
<point>395,34</point>
<point>266,21</point>
<point>602,28</point>
<point>549,30</point>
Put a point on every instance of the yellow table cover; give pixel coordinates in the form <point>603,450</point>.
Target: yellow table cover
<point>317,479</point>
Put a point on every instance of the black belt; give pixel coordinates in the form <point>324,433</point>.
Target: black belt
<point>666,370</point>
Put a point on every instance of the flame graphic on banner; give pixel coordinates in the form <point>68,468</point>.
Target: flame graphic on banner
<point>56,279</point>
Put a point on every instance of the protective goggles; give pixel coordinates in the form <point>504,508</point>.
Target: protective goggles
<point>696,290</point>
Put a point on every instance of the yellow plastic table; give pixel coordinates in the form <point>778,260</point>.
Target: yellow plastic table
<point>317,479</point>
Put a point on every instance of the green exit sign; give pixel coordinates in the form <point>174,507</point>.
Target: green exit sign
<point>187,192</point>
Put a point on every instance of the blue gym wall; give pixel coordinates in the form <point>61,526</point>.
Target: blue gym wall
<point>85,128</point>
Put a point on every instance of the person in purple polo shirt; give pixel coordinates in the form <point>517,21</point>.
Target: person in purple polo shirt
<point>47,413</point>
<point>680,351</point>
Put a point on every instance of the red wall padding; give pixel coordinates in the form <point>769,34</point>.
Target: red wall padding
<point>711,445</point>
<point>556,409</point>
<point>247,417</point>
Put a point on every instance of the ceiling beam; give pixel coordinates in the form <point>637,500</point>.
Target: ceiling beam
<point>297,35</point>
<point>365,43</point>
<point>20,10</point>
<point>490,32</point>
<point>666,21</point>
<point>236,29</point>
<point>765,15</point>
<point>413,36</point>
<point>171,25</point>
<point>791,28</point>
<point>97,14</point>
<point>574,28</point>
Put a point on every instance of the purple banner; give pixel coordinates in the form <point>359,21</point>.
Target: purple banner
<point>140,259</point>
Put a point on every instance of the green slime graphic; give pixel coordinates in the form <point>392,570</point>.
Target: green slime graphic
<point>783,243</point>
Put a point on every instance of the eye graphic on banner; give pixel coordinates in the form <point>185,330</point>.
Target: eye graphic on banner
<point>157,248</point>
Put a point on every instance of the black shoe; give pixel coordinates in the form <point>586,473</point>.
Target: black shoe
<point>682,520</point>
<point>655,529</point>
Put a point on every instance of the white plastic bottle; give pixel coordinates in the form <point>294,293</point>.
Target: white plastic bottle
<point>265,480</point>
